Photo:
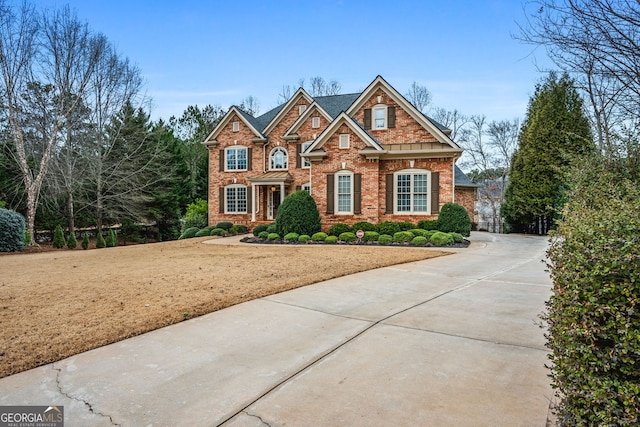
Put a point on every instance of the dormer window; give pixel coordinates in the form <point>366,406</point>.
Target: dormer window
<point>278,159</point>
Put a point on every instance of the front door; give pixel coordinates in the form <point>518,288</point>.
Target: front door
<point>273,202</point>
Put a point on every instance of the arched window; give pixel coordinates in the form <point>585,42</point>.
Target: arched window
<point>278,159</point>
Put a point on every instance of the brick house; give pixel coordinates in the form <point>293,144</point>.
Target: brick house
<point>368,156</point>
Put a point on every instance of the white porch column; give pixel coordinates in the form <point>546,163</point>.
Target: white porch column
<point>281,192</point>
<point>253,202</point>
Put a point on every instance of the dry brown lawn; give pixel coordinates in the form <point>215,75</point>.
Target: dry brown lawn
<point>59,303</point>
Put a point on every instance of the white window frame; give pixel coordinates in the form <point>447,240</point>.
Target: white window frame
<point>343,141</point>
<point>385,118</point>
<point>272,154</point>
<point>306,187</point>
<point>235,209</point>
<point>337,193</point>
<point>301,109</point>
<point>236,148</point>
<point>412,173</point>
<point>305,163</point>
<point>235,126</point>
<point>315,122</point>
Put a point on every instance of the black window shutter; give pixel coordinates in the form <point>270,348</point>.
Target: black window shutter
<point>367,118</point>
<point>435,192</point>
<point>249,198</point>
<point>357,193</point>
<point>221,160</point>
<point>389,193</point>
<point>298,158</point>
<point>221,199</point>
<point>249,158</point>
<point>391,117</point>
<point>330,190</point>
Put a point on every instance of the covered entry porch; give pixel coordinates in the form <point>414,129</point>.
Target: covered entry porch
<point>268,190</point>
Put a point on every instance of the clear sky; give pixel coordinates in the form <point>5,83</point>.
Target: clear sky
<point>219,52</point>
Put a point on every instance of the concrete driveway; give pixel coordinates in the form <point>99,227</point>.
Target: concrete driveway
<point>451,341</point>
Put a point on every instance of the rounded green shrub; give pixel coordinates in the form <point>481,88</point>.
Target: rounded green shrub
<point>85,241</point>
<point>370,236</point>
<point>264,234</point>
<point>454,218</point>
<point>457,237</point>
<point>347,236</point>
<point>194,221</point>
<point>364,226</point>
<point>319,236</point>
<point>271,228</point>
<point>238,229</point>
<point>403,236</point>
<point>388,227</point>
<point>189,233</point>
<point>259,229</point>
<point>72,242</point>
<point>217,232</point>
<point>441,239</point>
<point>298,213</point>
<point>291,237</point>
<point>385,239</point>
<point>204,232</point>
<point>339,228</point>
<point>12,226</point>
<point>225,225</point>
<point>406,225</point>
<point>419,241</point>
<point>273,236</point>
<point>418,232</point>
<point>100,243</point>
<point>304,238</point>
<point>430,233</point>
<point>58,238</point>
<point>331,239</point>
<point>428,224</point>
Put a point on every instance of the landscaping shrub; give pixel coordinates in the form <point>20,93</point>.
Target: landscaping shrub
<point>196,215</point>
<point>217,232</point>
<point>441,239</point>
<point>225,225</point>
<point>131,231</point>
<point>403,236</point>
<point>593,315</point>
<point>27,237</point>
<point>291,237</point>
<point>339,228</point>
<point>304,238</point>
<point>331,239</point>
<point>298,213</point>
<point>385,239</point>
<point>238,229</point>
<point>204,232</point>
<point>428,224</point>
<point>418,232</point>
<point>457,237</point>
<point>259,228</point>
<point>112,240</point>
<point>100,243</point>
<point>58,238</point>
<point>430,233</point>
<point>194,221</point>
<point>189,233</point>
<point>347,236</point>
<point>388,227</point>
<point>370,236</point>
<point>454,218</point>
<point>12,226</point>
<point>264,234</point>
<point>364,226</point>
<point>273,236</point>
<point>419,241</point>
<point>271,228</point>
<point>72,242</point>
<point>319,236</point>
<point>85,241</point>
<point>406,225</point>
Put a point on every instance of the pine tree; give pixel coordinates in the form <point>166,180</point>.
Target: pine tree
<point>58,237</point>
<point>555,131</point>
<point>85,241</point>
<point>72,242</point>
<point>100,243</point>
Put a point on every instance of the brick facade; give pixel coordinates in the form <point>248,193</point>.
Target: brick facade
<point>411,144</point>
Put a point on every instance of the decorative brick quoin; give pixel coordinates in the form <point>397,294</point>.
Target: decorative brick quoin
<point>369,156</point>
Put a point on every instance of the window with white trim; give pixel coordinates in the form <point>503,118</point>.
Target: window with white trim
<point>306,163</point>
<point>301,109</point>
<point>411,191</point>
<point>235,199</point>
<point>307,187</point>
<point>236,126</point>
<point>235,158</point>
<point>344,192</point>
<point>315,122</point>
<point>278,159</point>
<point>344,140</point>
<point>379,113</point>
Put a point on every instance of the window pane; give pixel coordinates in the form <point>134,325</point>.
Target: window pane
<point>379,116</point>
<point>231,199</point>
<point>344,193</point>
<point>242,158</point>
<point>420,203</point>
<point>241,199</point>
<point>420,184</point>
<point>231,159</point>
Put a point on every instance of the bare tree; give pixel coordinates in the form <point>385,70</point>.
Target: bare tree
<point>251,105</point>
<point>453,120</point>
<point>286,93</point>
<point>59,51</point>
<point>419,96</point>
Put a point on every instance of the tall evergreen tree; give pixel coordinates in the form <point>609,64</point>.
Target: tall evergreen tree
<point>555,130</point>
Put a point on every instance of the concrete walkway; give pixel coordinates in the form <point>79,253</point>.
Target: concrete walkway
<point>451,341</point>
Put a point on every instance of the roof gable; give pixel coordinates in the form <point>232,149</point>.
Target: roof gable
<point>246,118</point>
<point>344,118</point>
<point>305,116</point>
<point>300,93</point>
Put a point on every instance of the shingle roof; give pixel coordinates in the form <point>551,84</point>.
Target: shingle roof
<point>335,104</point>
<point>254,121</point>
<point>267,117</point>
<point>462,180</point>
<point>438,125</point>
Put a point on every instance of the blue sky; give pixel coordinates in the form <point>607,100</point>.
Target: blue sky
<point>219,52</point>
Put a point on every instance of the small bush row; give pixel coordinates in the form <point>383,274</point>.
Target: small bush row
<point>224,228</point>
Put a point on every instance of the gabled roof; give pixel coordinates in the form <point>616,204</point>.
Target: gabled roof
<point>462,180</point>
<point>304,116</point>
<point>336,104</point>
<point>344,118</point>
<point>285,108</point>
<point>248,120</point>
<point>437,131</point>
